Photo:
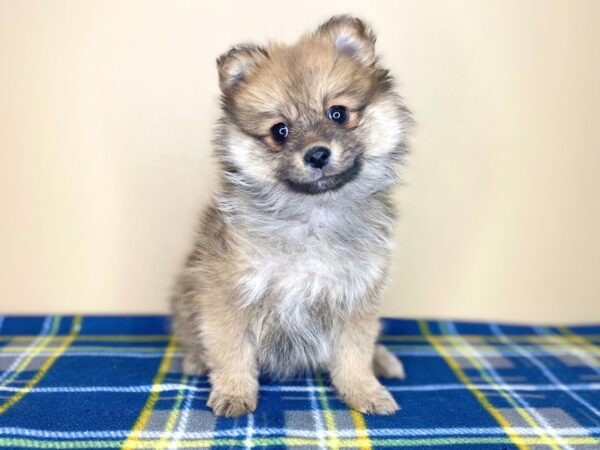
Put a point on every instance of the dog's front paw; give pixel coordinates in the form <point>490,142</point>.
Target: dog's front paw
<point>231,405</point>
<point>379,401</point>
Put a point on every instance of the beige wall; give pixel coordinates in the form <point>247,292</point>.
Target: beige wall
<point>106,110</point>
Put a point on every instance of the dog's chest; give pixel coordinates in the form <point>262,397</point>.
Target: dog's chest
<point>319,258</point>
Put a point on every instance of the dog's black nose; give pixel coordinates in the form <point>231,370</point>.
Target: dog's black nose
<point>317,157</point>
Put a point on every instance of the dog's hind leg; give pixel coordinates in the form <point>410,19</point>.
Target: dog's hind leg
<point>386,365</point>
<point>193,364</point>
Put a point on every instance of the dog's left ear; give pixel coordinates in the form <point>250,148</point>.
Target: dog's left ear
<point>350,36</point>
<point>238,63</point>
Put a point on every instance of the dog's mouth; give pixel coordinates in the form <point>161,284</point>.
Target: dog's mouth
<point>327,182</point>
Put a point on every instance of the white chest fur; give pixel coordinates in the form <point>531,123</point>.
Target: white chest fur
<point>307,260</point>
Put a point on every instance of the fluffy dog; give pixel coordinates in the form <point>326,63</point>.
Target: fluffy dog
<point>290,258</point>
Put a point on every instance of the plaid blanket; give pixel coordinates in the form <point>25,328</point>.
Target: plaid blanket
<point>116,382</point>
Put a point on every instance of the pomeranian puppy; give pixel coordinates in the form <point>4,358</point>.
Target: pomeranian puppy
<point>291,256</point>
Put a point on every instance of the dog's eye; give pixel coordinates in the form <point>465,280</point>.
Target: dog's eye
<point>338,114</point>
<point>280,132</point>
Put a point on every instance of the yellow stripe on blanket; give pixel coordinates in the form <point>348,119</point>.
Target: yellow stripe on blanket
<point>75,327</point>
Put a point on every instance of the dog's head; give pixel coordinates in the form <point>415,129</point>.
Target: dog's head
<point>312,117</point>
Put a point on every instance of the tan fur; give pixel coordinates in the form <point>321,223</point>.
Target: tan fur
<point>287,269</point>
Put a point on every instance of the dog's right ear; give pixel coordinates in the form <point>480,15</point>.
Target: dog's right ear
<point>350,36</point>
<point>236,64</point>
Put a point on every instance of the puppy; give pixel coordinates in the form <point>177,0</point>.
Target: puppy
<point>290,258</point>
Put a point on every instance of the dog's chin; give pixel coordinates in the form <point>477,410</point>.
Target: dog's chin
<point>326,183</point>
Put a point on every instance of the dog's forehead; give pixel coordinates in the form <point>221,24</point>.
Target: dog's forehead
<point>293,77</point>
<point>299,79</point>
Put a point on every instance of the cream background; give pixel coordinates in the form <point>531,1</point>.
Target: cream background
<point>106,110</point>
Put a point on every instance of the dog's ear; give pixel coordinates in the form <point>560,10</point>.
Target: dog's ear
<point>236,64</point>
<point>350,36</point>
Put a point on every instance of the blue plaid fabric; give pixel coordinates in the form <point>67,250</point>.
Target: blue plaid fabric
<point>116,382</point>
